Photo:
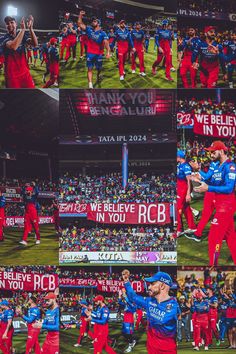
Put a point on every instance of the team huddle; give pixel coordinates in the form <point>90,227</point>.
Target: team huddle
<point>128,43</point>
<point>16,49</point>
<point>218,186</point>
<point>29,195</point>
<point>31,313</point>
<point>206,55</point>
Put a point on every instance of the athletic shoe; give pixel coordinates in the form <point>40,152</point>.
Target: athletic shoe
<point>90,85</point>
<point>122,78</point>
<point>77,345</point>
<point>44,78</point>
<point>154,71</point>
<point>231,85</point>
<point>129,349</point>
<point>193,237</point>
<point>133,343</point>
<point>169,79</point>
<point>173,69</point>
<point>218,343</point>
<point>133,71</point>
<point>37,242</point>
<point>206,348</point>
<point>23,243</point>
<point>189,231</point>
<point>142,74</point>
<point>196,348</point>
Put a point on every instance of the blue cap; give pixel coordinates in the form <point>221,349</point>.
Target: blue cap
<point>181,154</point>
<point>162,277</point>
<point>165,22</point>
<point>83,302</point>
<point>4,303</point>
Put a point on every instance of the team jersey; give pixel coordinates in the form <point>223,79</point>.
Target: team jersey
<point>183,170</point>
<point>201,307</point>
<point>222,309</point>
<point>225,177</point>
<point>230,51</point>
<point>209,177</point>
<point>32,198</point>
<point>101,315</point>
<point>53,55</point>
<point>123,38</point>
<point>51,320</point>
<point>71,35</point>
<point>83,314</point>
<point>188,45</point>
<point>32,315</point>
<point>64,36</point>
<point>15,60</point>
<point>147,37</point>
<point>203,51</point>
<point>111,37</point>
<point>137,37</point>
<point>162,34</point>
<point>2,201</point>
<point>95,43</point>
<point>212,301</point>
<point>162,317</point>
<point>129,310</point>
<point>7,315</point>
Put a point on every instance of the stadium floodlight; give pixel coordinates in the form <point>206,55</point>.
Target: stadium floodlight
<point>11,11</point>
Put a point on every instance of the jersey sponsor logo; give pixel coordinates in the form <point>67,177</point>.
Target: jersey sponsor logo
<point>232,176</point>
<point>215,221</point>
<point>232,168</point>
<point>169,307</point>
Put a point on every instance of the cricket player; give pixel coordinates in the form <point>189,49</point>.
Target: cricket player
<point>230,53</point>
<point>55,207</point>
<point>30,196</point>
<point>7,329</point>
<point>51,324</point>
<point>222,225</point>
<point>213,316</point>
<point>185,51</point>
<point>210,56</point>
<point>163,39</point>
<point>222,324</point>
<point>128,319</point>
<point>97,40</point>
<point>83,43</point>
<point>100,318</point>
<point>184,172</point>
<point>84,326</point>
<point>139,319</point>
<point>162,312</point>
<point>2,215</point>
<point>71,40</point>
<point>147,40</point>
<point>138,36</point>
<point>17,74</point>
<point>64,43</point>
<point>53,57</point>
<point>231,318</point>
<point>33,315</point>
<point>201,310</point>
<point>124,45</point>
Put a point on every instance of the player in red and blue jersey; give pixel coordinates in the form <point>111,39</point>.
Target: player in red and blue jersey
<point>97,40</point>
<point>201,308</point>
<point>83,38</point>
<point>163,38</point>
<point>129,309</point>
<point>147,40</point>
<point>35,54</point>
<point>210,177</point>
<point>51,324</point>
<point>13,44</point>
<point>33,315</point>
<point>186,47</point>
<point>213,316</point>
<point>64,42</point>
<point>2,215</point>
<point>208,56</point>
<point>124,45</point>
<point>71,38</point>
<point>84,324</point>
<point>138,35</point>
<point>230,300</point>
<point>112,37</point>
<point>100,318</point>
<point>30,196</point>
<point>53,57</point>
<point>7,328</point>
<point>230,52</point>
<point>184,172</point>
<point>222,225</point>
<point>222,324</point>
<point>162,312</point>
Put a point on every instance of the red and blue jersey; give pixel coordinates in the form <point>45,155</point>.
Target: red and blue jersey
<point>30,198</point>
<point>209,176</point>
<point>2,201</point>
<point>188,45</point>
<point>230,51</point>
<point>206,55</point>
<point>101,315</point>
<point>201,307</point>
<point>129,309</point>
<point>138,38</point>
<point>83,310</point>
<point>224,178</point>
<point>147,37</point>
<point>123,39</point>
<point>53,55</point>
<point>212,301</point>
<point>33,315</point>
<point>95,43</point>
<point>183,170</point>
<point>51,320</point>
<point>162,34</point>
<point>7,315</point>
<point>222,308</point>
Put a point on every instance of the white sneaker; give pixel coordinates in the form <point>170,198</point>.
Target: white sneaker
<point>77,345</point>
<point>133,71</point>
<point>206,348</point>
<point>129,349</point>
<point>90,85</point>
<point>122,78</point>
<point>74,59</point>
<point>37,242</point>
<point>23,243</point>
<point>172,69</point>
<point>193,344</point>
<point>189,231</point>
<point>81,57</point>
<point>142,74</point>
<point>133,343</point>
<point>231,85</point>
<point>196,348</point>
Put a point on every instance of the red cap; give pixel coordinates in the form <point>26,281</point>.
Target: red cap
<point>53,41</point>
<point>98,298</point>
<point>29,189</point>
<point>50,296</point>
<point>121,21</point>
<point>217,145</point>
<point>208,28</point>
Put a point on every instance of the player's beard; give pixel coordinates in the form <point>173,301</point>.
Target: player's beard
<point>211,38</point>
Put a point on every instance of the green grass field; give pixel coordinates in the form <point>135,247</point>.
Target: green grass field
<point>69,337</point>
<point>187,348</point>
<point>12,253</point>
<point>196,253</point>
<point>19,341</point>
<point>74,74</point>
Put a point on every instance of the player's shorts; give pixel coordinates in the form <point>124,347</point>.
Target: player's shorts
<point>24,81</point>
<point>94,60</point>
<point>49,348</point>
<point>35,56</point>
<point>230,322</point>
<point>127,328</point>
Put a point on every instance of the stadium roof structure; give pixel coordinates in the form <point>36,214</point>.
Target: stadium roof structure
<point>28,118</point>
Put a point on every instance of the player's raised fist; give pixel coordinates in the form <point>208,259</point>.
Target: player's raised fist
<point>30,21</point>
<point>22,23</point>
<point>126,274</point>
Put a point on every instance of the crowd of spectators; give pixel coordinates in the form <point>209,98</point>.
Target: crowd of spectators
<point>43,185</point>
<point>123,239</point>
<point>209,6</point>
<point>47,269</point>
<point>108,188</point>
<point>207,105</point>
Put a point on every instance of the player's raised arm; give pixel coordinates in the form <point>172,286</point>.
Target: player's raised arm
<point>107,46</point>
<point>131,294</point>
<point>30,23</point>
<point>80,21</point>
<point>16,42</point>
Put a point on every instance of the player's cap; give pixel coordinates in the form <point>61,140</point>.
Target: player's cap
<point>98,298</point>
<point>217,145</point>
<point>198,295</point>
<point>9,19</point>
<point>50,296</point>
<point>208,28</point>
<point>83,302</point>
<point>29,189</point>
<point>165,22</point>
<point>53,40</point>
<point>162,277</point>
<point>122,21</point>
<point>181,154</point>
<point>4,303</point>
